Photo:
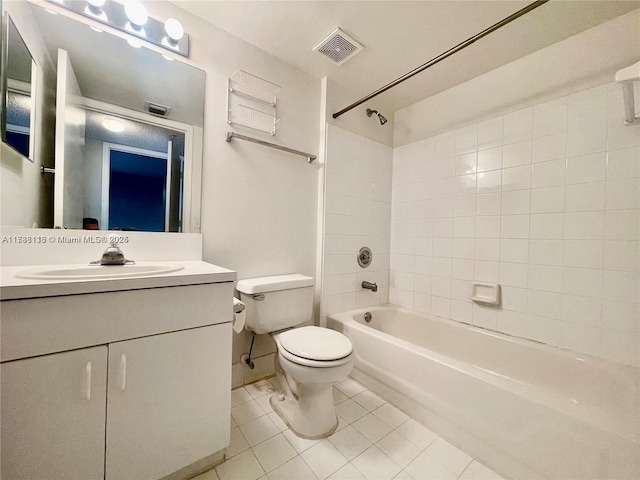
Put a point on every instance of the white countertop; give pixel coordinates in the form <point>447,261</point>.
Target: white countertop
<point>192,273</point>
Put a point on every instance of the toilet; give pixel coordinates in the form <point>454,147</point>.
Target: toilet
<point>310,359</point>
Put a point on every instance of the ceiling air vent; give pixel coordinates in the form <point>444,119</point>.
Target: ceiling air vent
<point>156,109</point>
<point>338,47</point>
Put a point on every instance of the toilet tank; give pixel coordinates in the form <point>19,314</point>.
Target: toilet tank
<point>277,302</point>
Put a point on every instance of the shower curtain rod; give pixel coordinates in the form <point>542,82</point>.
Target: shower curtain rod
<point>444,55</point>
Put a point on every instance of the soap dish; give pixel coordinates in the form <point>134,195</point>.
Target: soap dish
<point>485,293</point>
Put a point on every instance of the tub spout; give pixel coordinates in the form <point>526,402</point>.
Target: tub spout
<point>370,286</point>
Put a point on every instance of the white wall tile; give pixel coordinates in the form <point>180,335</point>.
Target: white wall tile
<point>518,126</point>
<point>464,227</point>
<point>490,159</point>
<point>583,253</point>
<point>514,250</point>
<point>586,140</point>
<point>622,225</point>
<point>622,286</point>
<point>466,163</point>
<point>545,277</point>
<point>462,268</point>
<point>464,206</point>
<point>514,274</point>
<point>517,202</point>
<point>623,194</point>
<point>548,174</point>
<point>582,281</point>
<point>514,226</point>
<point>549,147</point>
<point>621,316</point>
<point>546,252</point>
<point>622,255</point>
<point>516,178</point>
<point>517,154</point>
<point>587,168</point>
<point>545,304</point>
<point>488,226</point>
<point>488,204</point>
<point>585,197</point>
<point>489,182</point>
<point>490,133</point>
<point>582,310</point>
<point>547,226</point>
<point>551,119</point>
<point>485,316</point>
<point>547,200</point>
<point>584,225</point>
<point>623,163</point>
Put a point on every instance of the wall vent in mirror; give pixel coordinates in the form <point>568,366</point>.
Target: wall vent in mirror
<point>132,18</point>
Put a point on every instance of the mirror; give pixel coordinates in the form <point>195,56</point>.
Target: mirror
<point>128,135</point>
<point>17,105</point>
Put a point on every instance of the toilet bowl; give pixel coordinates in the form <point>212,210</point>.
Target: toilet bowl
<point>310,359</point>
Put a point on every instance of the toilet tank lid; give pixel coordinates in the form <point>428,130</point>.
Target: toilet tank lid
<point>273,283</point>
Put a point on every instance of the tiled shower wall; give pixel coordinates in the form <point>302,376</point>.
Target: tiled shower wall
<point>357,214</point>
<point>543,201</point>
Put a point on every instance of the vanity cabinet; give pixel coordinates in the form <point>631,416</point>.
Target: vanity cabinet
<point>163,409</point>
<point>118,385</point>
<point>53,415</point>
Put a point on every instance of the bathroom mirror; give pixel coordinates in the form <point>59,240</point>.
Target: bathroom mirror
<point>16,110</point>
<point>128,135</point>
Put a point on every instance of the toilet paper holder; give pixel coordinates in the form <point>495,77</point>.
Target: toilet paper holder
<point>238,306</point>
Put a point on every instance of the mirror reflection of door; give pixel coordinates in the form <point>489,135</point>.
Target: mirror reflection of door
<point>143,191</point>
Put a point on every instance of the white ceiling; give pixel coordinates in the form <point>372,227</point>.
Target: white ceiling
<point>401,35</point>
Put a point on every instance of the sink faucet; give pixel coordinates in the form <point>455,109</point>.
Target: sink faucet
<point>113,256</point>
<point>370,286</point>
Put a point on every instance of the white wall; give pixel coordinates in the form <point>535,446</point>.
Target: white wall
<point>544,201</point>
<point>357,214</point>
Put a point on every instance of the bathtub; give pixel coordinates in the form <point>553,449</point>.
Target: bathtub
<point>525,409</point>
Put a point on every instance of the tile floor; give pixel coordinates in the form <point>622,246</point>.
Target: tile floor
<point>374,440</point>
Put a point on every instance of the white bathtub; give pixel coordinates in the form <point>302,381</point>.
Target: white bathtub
<point>526,409</point>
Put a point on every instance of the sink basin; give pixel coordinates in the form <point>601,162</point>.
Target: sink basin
<point>88,272</point>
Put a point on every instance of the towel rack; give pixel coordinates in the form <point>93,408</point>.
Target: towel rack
<point>230,135</point>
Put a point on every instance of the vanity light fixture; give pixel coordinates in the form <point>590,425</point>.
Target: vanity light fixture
<point>94,9</point>
<point>113,125</point>
<point>131,16</point>
<point>175,31</point>
<point>137,15</point>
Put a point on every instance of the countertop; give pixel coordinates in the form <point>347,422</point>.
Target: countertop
<point>192,273</point>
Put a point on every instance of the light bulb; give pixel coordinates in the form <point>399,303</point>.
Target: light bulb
<point>113,125</point>
<point>174,30</point>
<point>135,43</point>
<point>96,5</point>
<point>136,13</point>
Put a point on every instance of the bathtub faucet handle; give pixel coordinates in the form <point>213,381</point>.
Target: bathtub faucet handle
<point>370,286</point>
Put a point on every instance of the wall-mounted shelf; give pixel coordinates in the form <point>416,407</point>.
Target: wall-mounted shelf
<point>259,97</point>
<point>245,84</point>
<point>252,118</point>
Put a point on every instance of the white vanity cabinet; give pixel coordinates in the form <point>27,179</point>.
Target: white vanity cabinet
<point>164,411</point>
<point>53,415</point>
<point>131,384</point>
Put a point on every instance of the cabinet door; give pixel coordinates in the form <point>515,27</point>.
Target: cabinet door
<point>53,415</point>
<point>168,401</point>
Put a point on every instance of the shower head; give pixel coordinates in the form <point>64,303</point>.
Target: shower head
<point>380,116</point>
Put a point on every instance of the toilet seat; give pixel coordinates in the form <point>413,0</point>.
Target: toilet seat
<point>314,346</point>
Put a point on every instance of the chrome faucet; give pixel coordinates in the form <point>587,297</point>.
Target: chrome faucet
<point>113,256</point>
<point>370,286</point>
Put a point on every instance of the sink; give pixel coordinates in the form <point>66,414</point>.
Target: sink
<point>88,272</point>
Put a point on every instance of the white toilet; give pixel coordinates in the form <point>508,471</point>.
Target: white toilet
<point>310,360</point>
